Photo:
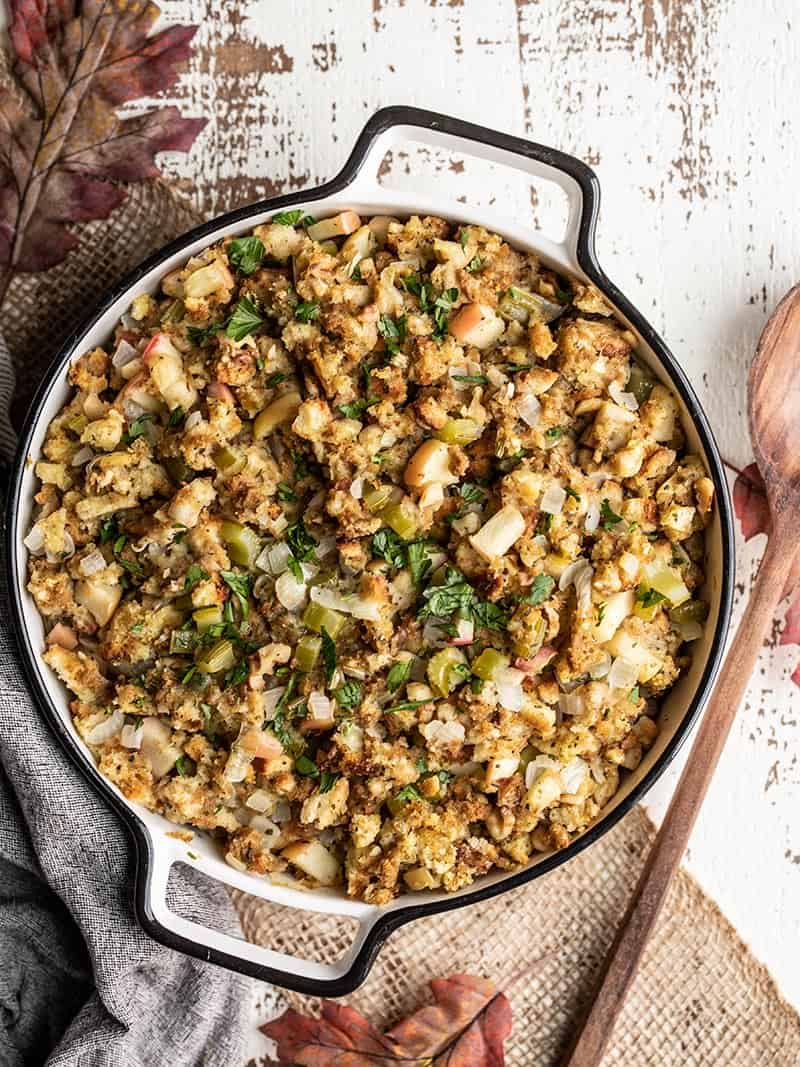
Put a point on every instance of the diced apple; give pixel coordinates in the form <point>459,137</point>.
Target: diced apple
<point>313,859</point>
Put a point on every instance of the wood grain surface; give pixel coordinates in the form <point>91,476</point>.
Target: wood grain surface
<point>687,109</point>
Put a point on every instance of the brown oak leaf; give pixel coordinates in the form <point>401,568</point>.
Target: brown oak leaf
<point>64,151</point>
<point>465,1027</point>
<point>752,511</point>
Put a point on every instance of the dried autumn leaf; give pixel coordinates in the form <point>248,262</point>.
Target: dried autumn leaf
<point>63,149</point>
<point>466,1027</point>
<point>750,502</point>
<point>752,511</point>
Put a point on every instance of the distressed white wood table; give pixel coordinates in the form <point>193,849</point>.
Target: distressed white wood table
<point>687,111</point>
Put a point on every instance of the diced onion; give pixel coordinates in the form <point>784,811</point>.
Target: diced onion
<point>270,701</point>
<point>82,456</point>
<point>619,396</point>
<point>601,668</point>
<point>572,703</point>
<point>92,564</point>
<point>282,812</point>
<point>553,500</point>
<point>496,377</point>
<point>363,608</point>
<point>235,862</point>
<point>192,420</point>
<point>574,774</point>
<point>431,495</point>
<point>131,736</point>
<point>598,477</point>
<point>623,674</point>
<point>274,558</point>
<point>237,764</point>
<point>529,410</point>
<point>290,593</point>
<point>108,728</point>
<point>34,542</point>
<point>124,353</point>
<point>689,631</point>
<point>443,733</point>
<point>331,598</point>
<point>260,800</point>
<point>592,520</point>
<point>357,488</point>
<point>579,574</point>
<point>319,706</point>
<point>465,633</point>
<point>509,688</point>
<point>497,535</point>
<point>537,765</point>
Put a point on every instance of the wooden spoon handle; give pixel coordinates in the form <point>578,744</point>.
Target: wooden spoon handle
<point>625,954</point>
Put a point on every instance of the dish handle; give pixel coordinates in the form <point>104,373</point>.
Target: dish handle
<point>215,946</point>
<point>392,126</point>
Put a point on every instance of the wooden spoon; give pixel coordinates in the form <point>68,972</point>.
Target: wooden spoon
<point>773,404</point>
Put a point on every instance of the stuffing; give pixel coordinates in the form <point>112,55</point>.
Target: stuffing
<point>372,566</point>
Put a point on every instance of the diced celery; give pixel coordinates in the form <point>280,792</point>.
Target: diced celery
<point>77,423</point>
<point>176,469</point>
<point>521,306</point>
<point>207,617</point>
<point>489,664</point>
<point>225,459</point>
<point>528,753</point>
<point>219,657</point>
<point>181,642</point>
<point>640,383</point>
<point>446,670</point>
<point>174,311</point>
<point>377,498</point>
<point>689,611</point>
<point>459,432</point>
<point>401,518</point>
<point>315,617</point>
<point>244,544</point>
<point>282,410</point>
<point>669,583</point>
<point>307,652</point>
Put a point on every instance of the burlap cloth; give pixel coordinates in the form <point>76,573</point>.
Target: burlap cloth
<point>700,999</point>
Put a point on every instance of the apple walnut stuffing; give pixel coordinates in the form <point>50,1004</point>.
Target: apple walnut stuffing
<point>368,547</point>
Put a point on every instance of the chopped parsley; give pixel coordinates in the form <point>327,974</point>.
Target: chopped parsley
<point>194,575</point>
<point>608,516</point>
<point>633,696</point>
<point>301,545</point>
<point>239,584</point>
<point>137,428</point>
<point>293,218</point>
<point>471,493</point>
<point>307,767</point>
<point>328,655</point>
<point>475,265</point>
<point>406,705</point>
<point>286,494</point>
<point>455,594</point>
<point>418,562</point>
<point>236,675</point>
<point>442,306</point>
<point>390,546</point>
<point>408,792</point>
<point>571,492</point>
<point>327,780</point>
<point>184,766</point>
<point>555,432</point>
<point>393,332</point>
<point>647,597</point>
<point>348,696</point>
<point>137,628</point>
<point>275,379</point>
<point>307,311</point>
<point>109,530</point>
<point>356,408</point>
<point>200,335</point>
<point>541,588</point>
<point>246,253</point>
<point>471,379</point>
<point>176,417</point>
<point>398,675</point>
<point>245,318</point>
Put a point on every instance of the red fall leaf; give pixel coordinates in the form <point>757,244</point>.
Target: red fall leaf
<point>465,1027</point>
<point>64,151</point>
<point>752,511</point>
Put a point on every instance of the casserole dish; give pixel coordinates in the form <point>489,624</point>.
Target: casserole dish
<point>356,188</point>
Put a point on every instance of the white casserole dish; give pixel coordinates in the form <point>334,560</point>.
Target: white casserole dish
<point>357,188</point>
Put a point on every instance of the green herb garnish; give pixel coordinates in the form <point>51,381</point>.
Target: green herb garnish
<point>239,584</point>
<point>608,516</point>
<point>390,546</point>
<point>307,767</point>
<point>348,696</point>
<point>327,780</point>
<point>398,675</point>
<point>328,655</point>
<point>245,318</point>
<point>194,575</point>
<point>292,218</point>
<point>471,379</point>
<point>307,311</point>
<point>286,494</point>
<point>246,253</point>
<point>393,332</point>
<point>137,428</point>
<point>541,588</point>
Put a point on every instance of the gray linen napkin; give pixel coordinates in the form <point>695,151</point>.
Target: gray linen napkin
<point>80,982</point>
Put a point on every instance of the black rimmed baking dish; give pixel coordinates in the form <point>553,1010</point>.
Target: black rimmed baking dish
<point>357,188</point>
